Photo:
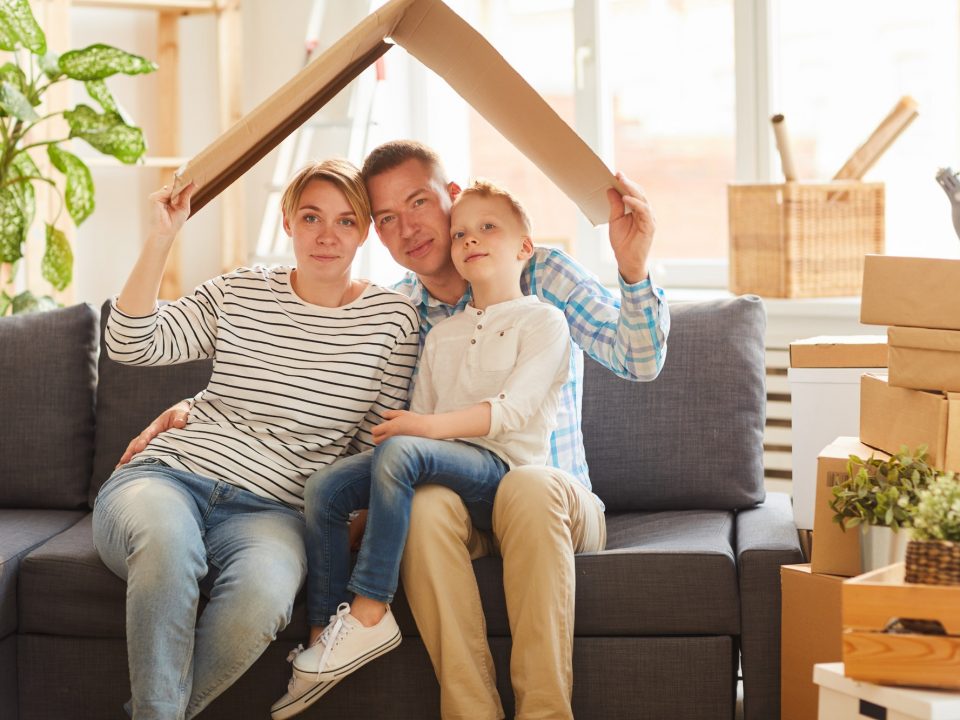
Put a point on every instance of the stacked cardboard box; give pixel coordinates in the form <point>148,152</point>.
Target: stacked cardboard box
<point>919,299</point>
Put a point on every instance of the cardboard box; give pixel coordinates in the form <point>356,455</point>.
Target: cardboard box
<point>914,292</point>
<point>872,654</point>
<point>891,417</point>
<point>440,39</point>
<point>835,551</point>
<point>810,633</point>
<point>924,359</point>
<point>844,351</point>
<point>842,698</point>
<point>824,404</point>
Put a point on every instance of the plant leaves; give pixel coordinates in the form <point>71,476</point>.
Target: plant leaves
<point>18,24</point>
<point>57,264</point>
<point>9,72</point>
<point>12,227</point>
<point>100,61</point>
<point>5,302</point>
<point>27,302</point>
<point>107,133</point>
<point>23,166</point>
<point>50,65</point>
<point>15,103</point>
<point>80,194</point>
<point>98,90</point>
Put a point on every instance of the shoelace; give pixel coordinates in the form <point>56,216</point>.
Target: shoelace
<point>330,634</point>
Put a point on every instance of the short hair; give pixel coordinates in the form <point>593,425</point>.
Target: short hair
<point>343,175</point>
<point>487,189</point>
<point>396,152</point>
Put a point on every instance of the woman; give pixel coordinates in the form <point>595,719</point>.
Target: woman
<point>306,360</point>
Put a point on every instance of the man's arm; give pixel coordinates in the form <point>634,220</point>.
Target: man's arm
<point>627,335</point>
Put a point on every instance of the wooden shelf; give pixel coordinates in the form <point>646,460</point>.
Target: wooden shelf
<point>179,6</point>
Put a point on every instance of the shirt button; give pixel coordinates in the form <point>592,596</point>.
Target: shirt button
<point>479,327</point>
<point>479,312</point>
<point>473,342</point>
<point>502,396</point>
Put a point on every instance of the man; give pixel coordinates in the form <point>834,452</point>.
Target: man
<point>542,516</point>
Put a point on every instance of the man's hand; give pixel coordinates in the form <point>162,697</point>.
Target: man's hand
<point>631,233</point>
<point>403,422</point>
<point>174,417</point>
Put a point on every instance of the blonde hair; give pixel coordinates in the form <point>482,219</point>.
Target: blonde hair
<point>344,175</point>
<point>487,189</point>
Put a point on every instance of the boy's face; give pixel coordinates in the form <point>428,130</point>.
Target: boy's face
<point>487,239</point>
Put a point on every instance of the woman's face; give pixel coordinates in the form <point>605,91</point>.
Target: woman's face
<point>325,232</point>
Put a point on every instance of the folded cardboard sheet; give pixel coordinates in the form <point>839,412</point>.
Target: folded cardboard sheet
<point>891,417</point>
<point>448,45</point>
<point>839,351</point>
<point>910,291</point>
<point>925,359</point>
<point>835,551</point>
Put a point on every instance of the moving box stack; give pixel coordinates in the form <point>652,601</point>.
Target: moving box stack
<point>916,403</point>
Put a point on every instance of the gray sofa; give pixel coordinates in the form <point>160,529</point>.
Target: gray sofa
<point>688,586</point>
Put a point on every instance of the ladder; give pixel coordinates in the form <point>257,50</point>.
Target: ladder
<point>273,245</point>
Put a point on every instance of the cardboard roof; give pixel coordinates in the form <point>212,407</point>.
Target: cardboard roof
<point>448,45</point>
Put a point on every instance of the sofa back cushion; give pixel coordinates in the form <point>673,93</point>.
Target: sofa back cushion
<point>48,378</point>
<point>692,438</point>
<point>129,398</point>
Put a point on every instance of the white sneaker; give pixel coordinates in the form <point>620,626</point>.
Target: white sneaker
<point>302,692</point>
<point>346,645</point>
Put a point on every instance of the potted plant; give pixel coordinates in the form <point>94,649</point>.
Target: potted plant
<point>933,555</point>
<point>24,80</point>
<point>879,497</point>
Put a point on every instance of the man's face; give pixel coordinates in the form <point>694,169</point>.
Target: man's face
<point>411,214</point>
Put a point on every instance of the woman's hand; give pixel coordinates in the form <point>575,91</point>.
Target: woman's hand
<point>403,422</point>
<point>172,417</point>
<point>169,213</point>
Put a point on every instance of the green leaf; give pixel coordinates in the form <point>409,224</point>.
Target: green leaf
<point>98,90</point>
<point>107,133</point>
<point>79,195</point>
<point>15,103</point>
<point>24,167</point>
<point>50,65</point>
<point>25,302</point>
<point>57,264</point>
<point>5,302</point>
<point>9,72</point>
<point>12,227</point>
<point>100,61</point>
<point>20,26</point>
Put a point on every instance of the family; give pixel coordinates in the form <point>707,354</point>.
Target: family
<point>302,445</point>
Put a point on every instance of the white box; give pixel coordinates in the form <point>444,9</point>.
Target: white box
<point>844,699</point>
<point>824,404</point>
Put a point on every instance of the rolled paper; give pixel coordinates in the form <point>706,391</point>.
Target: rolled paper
<point>783,146</point>
<point>876,145</point>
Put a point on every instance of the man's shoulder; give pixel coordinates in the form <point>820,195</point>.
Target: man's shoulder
<point>543,313</point>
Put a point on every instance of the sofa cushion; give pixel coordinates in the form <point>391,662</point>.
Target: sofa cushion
<point>47,391</point>
<point>672,573</point>
<point>129,398</point>
<point>692,438</point>
<point>20,532</point>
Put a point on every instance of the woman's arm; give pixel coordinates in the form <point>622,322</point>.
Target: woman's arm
<point>168,214</point>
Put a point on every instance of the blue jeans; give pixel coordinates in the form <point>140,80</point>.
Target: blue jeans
<point>164,531</point>
<point>383,481</point>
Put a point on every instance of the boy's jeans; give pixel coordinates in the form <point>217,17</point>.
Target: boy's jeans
<point>383,481</point>
<point>163,531</point>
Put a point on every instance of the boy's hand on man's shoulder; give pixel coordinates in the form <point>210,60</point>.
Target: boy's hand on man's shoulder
<point>403,422</point>
<point>631,229</point>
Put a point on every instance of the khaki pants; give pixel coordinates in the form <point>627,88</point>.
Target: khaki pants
<point>541,517</point>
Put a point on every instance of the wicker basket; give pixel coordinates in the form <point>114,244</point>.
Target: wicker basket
<point>933,562</point>
<point>799,240</point>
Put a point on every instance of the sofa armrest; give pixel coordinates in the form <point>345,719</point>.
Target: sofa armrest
<point>766,539</point>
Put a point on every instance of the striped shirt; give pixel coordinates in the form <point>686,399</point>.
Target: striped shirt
<point>294,386</point>
<point>628,334</point>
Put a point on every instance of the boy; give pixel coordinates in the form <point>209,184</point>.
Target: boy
<point>490,380</point>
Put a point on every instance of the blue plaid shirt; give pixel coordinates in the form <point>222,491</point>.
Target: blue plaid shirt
<point>628,334</point>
